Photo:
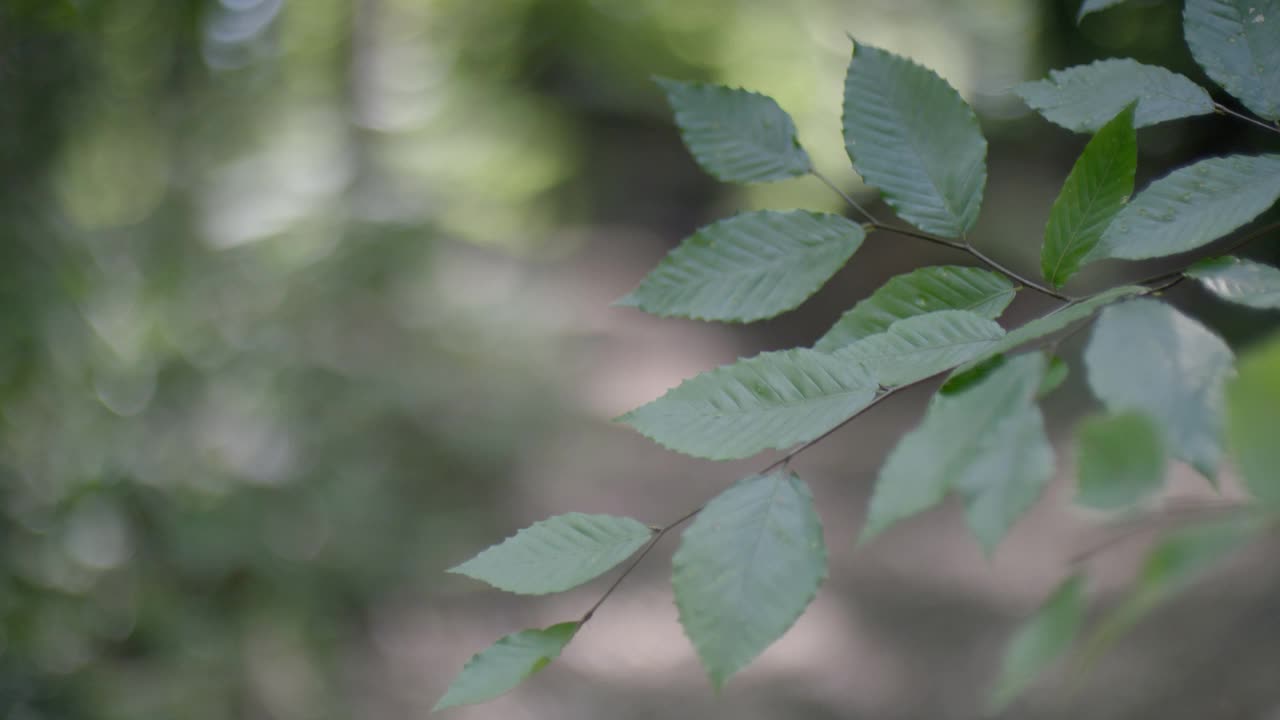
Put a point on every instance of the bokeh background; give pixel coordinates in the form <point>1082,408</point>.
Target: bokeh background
<point>305,302</point>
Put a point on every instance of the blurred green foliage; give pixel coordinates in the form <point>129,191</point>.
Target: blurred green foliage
<point>247,389</point>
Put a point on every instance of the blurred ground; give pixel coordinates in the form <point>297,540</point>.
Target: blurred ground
<point>305,302</point>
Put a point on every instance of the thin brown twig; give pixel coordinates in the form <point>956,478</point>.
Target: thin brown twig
<point>847,198</point>
<point>657,535</point>
<point>1224,110</point>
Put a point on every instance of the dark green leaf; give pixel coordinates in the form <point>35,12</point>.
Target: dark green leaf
<point>748,267</point>
<point>1192,206</point>
<point>987,442</point>
<point>1146,356</point>
<point>1054,376</point>
<point>1041,640</point>
<point>747,567</point>
<point>1098,186</point>
<point>1253,416</point>
<point>929,289</point>
<point>773,400</point>
<point>918,347</point>
<point>1237,42</point>
<point>1053,322</point>
<point>558,553</point>
<point>506,664</point>
<point>1089,7</point>
<point>1120,461</point>
<point>911,135</point>
<point>1083,98</point>
<point>736,135</point>
<point>1244,282</point>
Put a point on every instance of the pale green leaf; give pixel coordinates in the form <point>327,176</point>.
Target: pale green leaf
<point>986,441</point>
<point>1089,7</point>
<point>1048,324</point>
<point>1192,206</point>
<point>506,664</point>
<point>773,400</point>
<point>558,553</point>
<point>1121,459</point>
<point>926,290</point>
<point>736,135</point>
<point>747,567</point>
<point>1237,42</point>
<point>918,347</point>
<point>1043,638</point>
<point>1168,568</point>
<point>1253,416</point>
<point>748,267</point>
<point>1099,185</point>
<point>1146,356</point>
<point>1243,282</point>
<point>1083,98</point>
<point>911,135</point>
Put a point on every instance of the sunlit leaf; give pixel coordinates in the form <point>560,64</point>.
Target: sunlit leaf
<point>911,135</point>
<point>773,400</point>
<point>1085,97</point>
<point>1043,638</point>
<point>1243,282</point>
<point>1049,324</point>
<point>1192,206</point>
<point>1146,356</point>
<point>558,553</point>
<point>736,135</point>
<point>747,567</point>
<point>1098,186</point>
<point>1253,416</point>
<point>1168,568</point>
<point>987,442</point>
<point>1121,459</point>
<point>1237,42</point>
<point>1089,7</point>
<point>748,267</point>
<point>926,290</point>
<point>922,346</point>
<point>506,664</point>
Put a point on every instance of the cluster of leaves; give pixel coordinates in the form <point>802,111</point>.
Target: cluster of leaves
<point>753,557</point>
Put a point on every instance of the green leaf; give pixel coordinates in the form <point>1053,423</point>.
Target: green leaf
<point>1083,98</point>
<point>1253,414</point>
<point>558,553</point>
<point>1054,376</point>
<point>926,290</point>
<point>747,567</point>
<point>506,664</point>
<point>1237,42</point>
<point>1243,282</point>
<point>1146,356</point>
<point>773,400</point>
<point>1042,639</point>
<point>1120,461</point>
<point>1046,325</point>
<point>918,347</point>
<point>987,442</point>
<point>736,135</point>
<point>1192,206</point>
<point>1098,186</point>
<point>1168,568</point>
<point>911,135</point>
<point>1089,7</point>
<point>748,267</point>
